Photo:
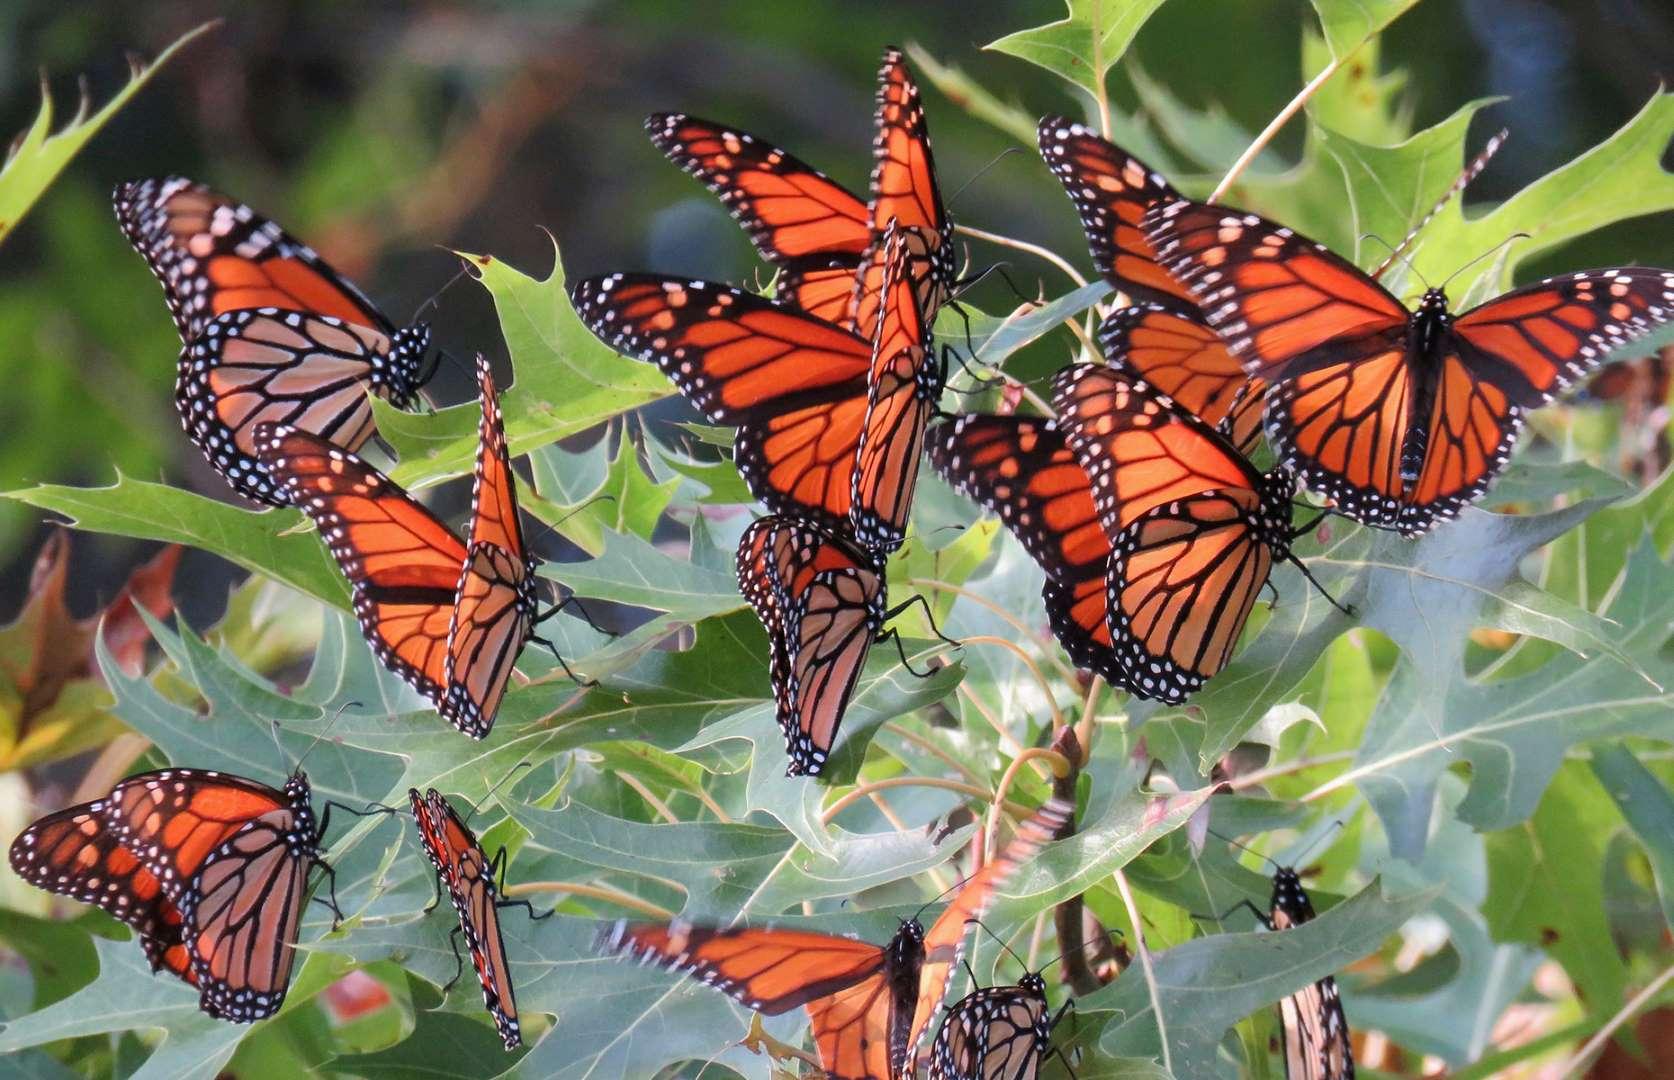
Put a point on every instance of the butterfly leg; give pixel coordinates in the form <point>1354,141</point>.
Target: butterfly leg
<point>570,601</point>
<point>894,636</point>
<point>578,680</point>
<point>497,871</point>
<point>1345,609</point>
<point>918,598</point>
<point>1261,916</point>
<point>458,959</point>
<point>330,899</point>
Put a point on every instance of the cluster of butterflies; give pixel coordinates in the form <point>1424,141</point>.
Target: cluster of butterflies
<point>211,870</point>
<point>1138,500</point>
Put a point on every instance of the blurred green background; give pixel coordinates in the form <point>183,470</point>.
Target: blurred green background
<point>382,134</point>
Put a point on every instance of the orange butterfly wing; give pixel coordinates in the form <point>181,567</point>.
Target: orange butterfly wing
<point>1111,190</point>
<point>215,255</point>
<point>401,561</point>
<point>1022,469</point>
<point>1169,347</point>
<point>799,219</point>
<point>310,372</point>
<point>461,863</point>
<point>1193,528</point>
<point>903,389</point>
<point>821,603</point>
<point>793,385</point>
<point>494,612</point>
<point>946,939</point>
<point>903,190</point>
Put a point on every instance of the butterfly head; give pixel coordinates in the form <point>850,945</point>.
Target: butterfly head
<point>1289,899</point>
<point>1434,304</point>
<point>1033,983</point>
<point>405,369</point>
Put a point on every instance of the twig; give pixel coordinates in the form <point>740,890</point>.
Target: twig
<point>593,892</point>
<point>655,803</point>
<point>1573,1066</point>
<point>865,790</point>
<point>1059,764</point>
<point>1145,964</point>
<point>1034,669</point>
<point>1023,245</point>
<point>1279,121</point>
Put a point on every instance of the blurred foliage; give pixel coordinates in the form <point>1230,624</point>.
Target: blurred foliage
<point>1475,769</point>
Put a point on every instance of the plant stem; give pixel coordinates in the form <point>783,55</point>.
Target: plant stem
<point>593,892</point>
<point>1279,121</point>
<point>1574,1065</point>
<point>1145,964</point>
<point>1023,245</point>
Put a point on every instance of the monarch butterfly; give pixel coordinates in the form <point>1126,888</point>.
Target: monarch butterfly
<point>996,1033</point>
<point>270,331</point>
<point>1400,416</point>
<point>1314,1026</point>
<point>1021,468</point>
<point>449,617</point>
<point>814,230</point>
<point>830,423</point>
<point>821,601</point>
<point>470,876</point>
<point>868,1005</point>
<point>1194,529</point>
<point>211,869</point>
<point>1162,339</point>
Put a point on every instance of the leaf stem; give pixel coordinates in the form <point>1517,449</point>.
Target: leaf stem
<point>849,798</point>
<point>1574,1065</point>
<point>982,601</point>
<point>1144,952</point>
<point>1060,765</point>
<point>1023,245</point>
<point>593,892</point>
<point>1279,121</point>
<point>651,799</point>
<point>1034,669</point>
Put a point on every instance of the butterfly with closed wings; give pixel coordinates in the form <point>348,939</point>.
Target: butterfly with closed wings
<point>449,616</point>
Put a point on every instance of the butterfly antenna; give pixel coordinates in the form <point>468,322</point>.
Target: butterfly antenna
<point>437,295</point>
<point>1095,938</point>
<point>1001,156</point>
<point>1002,943</point>
<point>1514,237</point>
<point>296,770</point>
<point>1464,179</point>
<point>1395,255</point>
<point>1245,847</point>
<point>957,884</point>
<point>1308,852</point>
<point>497,785</point>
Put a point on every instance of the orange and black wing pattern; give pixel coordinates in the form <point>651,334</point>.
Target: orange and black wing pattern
<point>795,386</point>
<point>945,941</point>
<point>811,228</point>
<point>211,868</point>
<point>270,331</point>
<point>850,988</point>
<point>215,255</point>
<point>1021,468</point>
<point>469,876</point>
<point>1193,528</point>
<point>821,602</point>
<point>282,367</point>
<point>402,562</point>
<point>1111,190</point>
<point>903,390</point>
<point>1169,347</point>
<point>494,612</point>
<point>904,191</point>
<point>76,853</point>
